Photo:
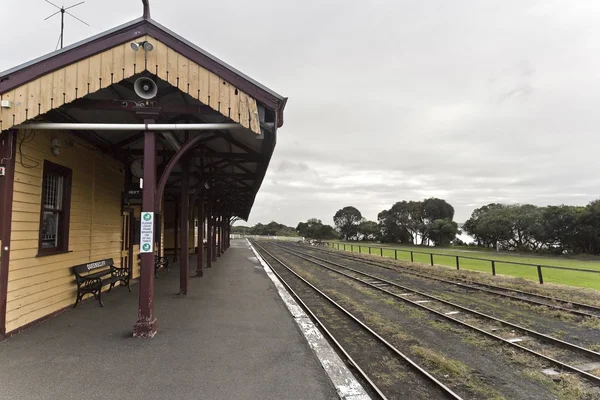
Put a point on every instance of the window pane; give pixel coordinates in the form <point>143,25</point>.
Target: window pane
<point>50,230</point>
<point>53,191</point>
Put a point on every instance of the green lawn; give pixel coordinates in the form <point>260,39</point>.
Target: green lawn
<point>447,257</point>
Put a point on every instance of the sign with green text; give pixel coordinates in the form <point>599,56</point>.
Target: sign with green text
<point>147,232</point>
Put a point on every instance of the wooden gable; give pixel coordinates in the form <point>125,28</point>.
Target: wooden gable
<point>101,70</point>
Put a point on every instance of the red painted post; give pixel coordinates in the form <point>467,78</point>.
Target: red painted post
<point>184,226</point>
<point>214,235</point>
<point>8,145</point>
<point>222,234</point>
<point>146,324</point>
<point>209,213</point>
<point>200,255</point>
<point>176,233</point>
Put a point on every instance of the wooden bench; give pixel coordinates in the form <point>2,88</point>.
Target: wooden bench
<point>158,262</point>
<point>90,282</point>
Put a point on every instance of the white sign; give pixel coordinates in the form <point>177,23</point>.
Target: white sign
<point>147,232</point>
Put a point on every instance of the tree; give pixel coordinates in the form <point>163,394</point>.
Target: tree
<point>347,221</point>
<point>442,231</point>
<point>314,229</point>
<point>368,230</point>
<point>429,220</point>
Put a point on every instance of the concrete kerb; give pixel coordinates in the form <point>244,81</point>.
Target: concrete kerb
<point>346,385</point>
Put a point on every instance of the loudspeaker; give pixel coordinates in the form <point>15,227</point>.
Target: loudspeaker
<point>145,88</point>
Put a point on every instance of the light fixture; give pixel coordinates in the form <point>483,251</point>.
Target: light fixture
<point>55,143</point>
<point>147,46</point>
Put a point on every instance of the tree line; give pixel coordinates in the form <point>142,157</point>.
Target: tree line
<point>521,227</point>
<point>425,222</point>
<point>526,227</point>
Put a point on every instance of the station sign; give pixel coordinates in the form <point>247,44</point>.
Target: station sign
<point>147,232</point>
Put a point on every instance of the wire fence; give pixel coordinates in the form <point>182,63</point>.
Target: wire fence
<point>457,259</point>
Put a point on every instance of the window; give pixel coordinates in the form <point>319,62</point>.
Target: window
<point>56,204</point>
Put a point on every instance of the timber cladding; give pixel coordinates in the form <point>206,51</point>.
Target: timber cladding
<point>113,65</point>
<point>38,286</point>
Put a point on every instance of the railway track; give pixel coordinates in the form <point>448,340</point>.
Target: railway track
<point>573,358</point>
<point>580,309</point>
<point>425,385</point>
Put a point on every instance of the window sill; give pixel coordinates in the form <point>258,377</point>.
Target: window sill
<point>52,253</point>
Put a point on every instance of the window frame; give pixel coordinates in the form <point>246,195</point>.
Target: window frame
<point>65,214</point>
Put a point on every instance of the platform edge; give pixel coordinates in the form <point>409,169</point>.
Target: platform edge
<point>345,383</point>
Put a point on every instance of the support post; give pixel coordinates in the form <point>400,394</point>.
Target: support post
<point>209,212</point>
<point>146,324</point>
<point>540,277</point>
<point>8,145</point>
<point>200,255</point>
<point>214,235</point>
<point>223,239</point>
<point>184,226</point>
<point>176,233</point>
<point>493,268</point>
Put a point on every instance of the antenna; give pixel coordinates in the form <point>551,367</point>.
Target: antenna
<point>62,10</point>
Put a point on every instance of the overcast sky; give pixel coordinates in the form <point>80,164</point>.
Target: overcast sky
<point>471,101</point>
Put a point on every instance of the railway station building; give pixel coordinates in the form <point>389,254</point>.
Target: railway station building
<point>118,150</point>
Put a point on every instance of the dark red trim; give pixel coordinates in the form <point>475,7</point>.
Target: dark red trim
<point>7,154</point>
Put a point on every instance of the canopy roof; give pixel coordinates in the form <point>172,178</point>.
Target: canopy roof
<point>92,82</point>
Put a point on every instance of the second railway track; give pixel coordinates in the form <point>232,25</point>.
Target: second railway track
<point>569,306</point>
<point>572,357</point>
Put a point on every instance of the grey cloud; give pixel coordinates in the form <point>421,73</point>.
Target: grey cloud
<point>473,101</point>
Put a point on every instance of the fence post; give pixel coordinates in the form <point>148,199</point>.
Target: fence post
<point>344,246</point>
<point>360,248</point>
<point>457,264</point>
<point>395,254</point>
<point>431,257</point>
<point>352,248</point>
<point>493,267</point>
<point>412,259</point>
<point>369,249</point>
<point>539,268</point>
<point>381,251</point>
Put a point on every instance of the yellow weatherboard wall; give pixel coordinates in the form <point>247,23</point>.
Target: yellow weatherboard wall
<point>38,286</point>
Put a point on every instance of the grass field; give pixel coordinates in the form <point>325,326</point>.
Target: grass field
<point>447,257</point>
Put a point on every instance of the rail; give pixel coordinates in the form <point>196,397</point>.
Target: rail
<point>432,255</point>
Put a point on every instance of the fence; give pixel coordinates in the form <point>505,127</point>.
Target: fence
<point>457,258</point>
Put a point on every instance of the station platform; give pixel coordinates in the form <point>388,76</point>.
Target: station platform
<point>231,337</point>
